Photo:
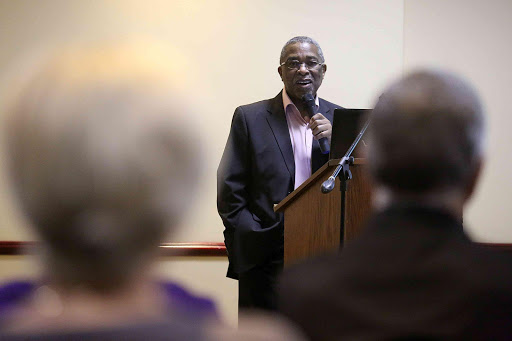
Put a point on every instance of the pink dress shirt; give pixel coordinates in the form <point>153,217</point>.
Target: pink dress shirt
<point>301,138</point>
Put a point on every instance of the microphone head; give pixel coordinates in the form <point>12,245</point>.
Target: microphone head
<point>308,99</point>
<point>309,103</point>
<point>328,185</point>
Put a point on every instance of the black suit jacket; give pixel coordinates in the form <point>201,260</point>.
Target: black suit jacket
<point>257,170</point>
<point>412,274</point>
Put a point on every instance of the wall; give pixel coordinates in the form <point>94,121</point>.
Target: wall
<point>472,37</point>
<point>232,51</point>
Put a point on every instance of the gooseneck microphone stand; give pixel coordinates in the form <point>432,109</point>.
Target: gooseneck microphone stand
<point>343,172</point>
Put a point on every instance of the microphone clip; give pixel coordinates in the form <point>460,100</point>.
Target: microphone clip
<point>343,172</point>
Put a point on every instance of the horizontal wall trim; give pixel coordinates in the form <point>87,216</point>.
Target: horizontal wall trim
<point>195,249</point>
<point>192,249</point>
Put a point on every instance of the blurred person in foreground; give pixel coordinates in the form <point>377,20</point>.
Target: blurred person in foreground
<point>103,168</point>
<point>413,273</point>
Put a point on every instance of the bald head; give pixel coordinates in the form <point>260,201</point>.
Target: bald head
<point>427,134</point>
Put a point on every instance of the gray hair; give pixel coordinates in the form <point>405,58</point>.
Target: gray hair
<point>300,40</point>
<point>427,133</point>
<point>98,161</point>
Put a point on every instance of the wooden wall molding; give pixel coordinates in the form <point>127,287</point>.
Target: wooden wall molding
<point>194,249</point>
<point>189,249</point>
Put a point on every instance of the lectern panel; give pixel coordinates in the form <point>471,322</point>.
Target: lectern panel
<point>313,219</point>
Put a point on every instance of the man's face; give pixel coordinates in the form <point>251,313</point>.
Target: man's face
<point>301,81</point>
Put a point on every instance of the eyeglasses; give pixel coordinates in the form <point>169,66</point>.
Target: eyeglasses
<point>294,64</point>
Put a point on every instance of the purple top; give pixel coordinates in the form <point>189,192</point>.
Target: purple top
<point>180,301</point>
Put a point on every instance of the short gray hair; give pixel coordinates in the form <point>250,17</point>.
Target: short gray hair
<point>427,132</point>
<point>300,40</point>
<point>98,160</point>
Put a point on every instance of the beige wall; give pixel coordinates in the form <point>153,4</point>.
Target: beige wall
<point>472,37</point>
<point>232,48</point>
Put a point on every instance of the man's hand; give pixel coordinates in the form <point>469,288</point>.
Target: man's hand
<point>321,127</point>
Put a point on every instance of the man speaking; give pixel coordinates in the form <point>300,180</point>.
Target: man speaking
<point>273,146</point>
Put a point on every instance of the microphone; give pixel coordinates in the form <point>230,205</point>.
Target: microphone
<point>309,102</point>
<point>328,184</point>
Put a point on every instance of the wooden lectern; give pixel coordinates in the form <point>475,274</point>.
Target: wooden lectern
<point>312,220</point>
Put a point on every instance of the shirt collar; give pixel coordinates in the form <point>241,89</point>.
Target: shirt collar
<point>287,101</point>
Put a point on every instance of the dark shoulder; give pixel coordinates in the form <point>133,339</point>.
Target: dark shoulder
<point>257,111</point>
<point>256,105</point>
<point>260,106</point>
<point>494,262</point>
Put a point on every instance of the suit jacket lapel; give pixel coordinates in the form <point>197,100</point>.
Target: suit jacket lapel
<point>277,120</point>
